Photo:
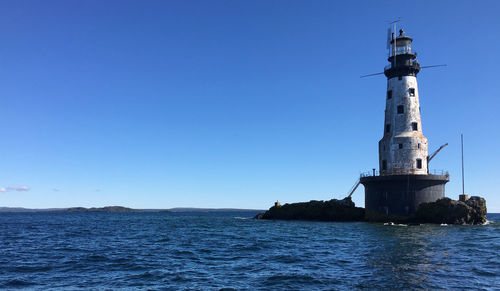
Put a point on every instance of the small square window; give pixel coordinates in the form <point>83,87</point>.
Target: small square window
<point>419,163</point>
<point>401,109</point>
<point>400,145</point>
<point>412,91</point>
<point>387,128</point>
<point>414,126</point>
<point>400,78</point>
<point>389,94</point>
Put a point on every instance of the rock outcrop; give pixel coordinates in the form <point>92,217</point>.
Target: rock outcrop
<point>446,210</point>
<point>98,209</point>
<point>332,210</point>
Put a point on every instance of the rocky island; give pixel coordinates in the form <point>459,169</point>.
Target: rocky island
<point>98,209</point>
<point>332,210</point>
<point>445,210</point>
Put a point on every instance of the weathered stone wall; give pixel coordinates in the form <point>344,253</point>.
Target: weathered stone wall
<point>414,144</point>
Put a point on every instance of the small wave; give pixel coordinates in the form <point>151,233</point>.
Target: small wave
<point>96,258</point>
<point>166,239</point>
<point>291,280</point>
<point>242,218</point>
<point>484,271</point>
<point>183,253</point>
<point>393,224</point>
<point>18,283</point>
<point>443,224</point>
<point>31,268</point>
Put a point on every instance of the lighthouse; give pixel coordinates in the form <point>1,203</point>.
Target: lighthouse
<point>403,147</point>
<point>403,181</point>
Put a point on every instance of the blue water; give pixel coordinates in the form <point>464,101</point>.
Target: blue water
<point>214,251</point>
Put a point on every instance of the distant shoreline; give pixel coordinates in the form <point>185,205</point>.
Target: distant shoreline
<point>120,209</point>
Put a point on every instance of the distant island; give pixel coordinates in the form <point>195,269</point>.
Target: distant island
<point>71,209</point>
<point>187,209</point>
<point>98,209</point>
<point>121,209</point>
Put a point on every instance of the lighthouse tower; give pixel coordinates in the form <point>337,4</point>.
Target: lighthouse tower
<point>404,181</point>
<point>403,148</point>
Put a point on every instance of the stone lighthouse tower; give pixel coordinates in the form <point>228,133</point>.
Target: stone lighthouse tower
<point>403,148</point>
<point>404,180</point>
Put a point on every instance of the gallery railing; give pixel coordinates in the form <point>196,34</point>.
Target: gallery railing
<point>401,172</point>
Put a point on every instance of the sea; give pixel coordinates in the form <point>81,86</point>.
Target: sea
<point>232,251</point>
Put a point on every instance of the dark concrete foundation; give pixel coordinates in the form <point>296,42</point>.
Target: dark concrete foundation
<point>400,195</point>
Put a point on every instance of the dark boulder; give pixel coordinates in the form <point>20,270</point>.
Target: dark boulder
<point>446,210</point>
<point>332,210</point>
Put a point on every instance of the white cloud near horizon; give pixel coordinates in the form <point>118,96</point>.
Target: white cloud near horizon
<point>14,188</point>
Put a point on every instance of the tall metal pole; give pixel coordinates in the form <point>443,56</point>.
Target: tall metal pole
<point>463,183</point>
<point>394,43</point>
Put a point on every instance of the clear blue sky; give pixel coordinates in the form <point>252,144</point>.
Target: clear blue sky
<point>159,104</point>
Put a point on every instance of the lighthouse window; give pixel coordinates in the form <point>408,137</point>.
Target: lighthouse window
<point>419,163</point>
<point>412,91</point>
<point>389,94</point>
<point>401,109</point>
<point>387,128</point>
<point>418,145</point>
<point>414,126</point>
<point>400,145</point>
<point>384,165</point>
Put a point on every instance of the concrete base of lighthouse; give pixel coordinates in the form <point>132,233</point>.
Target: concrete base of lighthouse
<point>400,195</point>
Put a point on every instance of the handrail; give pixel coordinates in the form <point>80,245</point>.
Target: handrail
<point>439,172</point>
<point>389,66</point>
<point>400,172</point>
